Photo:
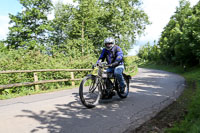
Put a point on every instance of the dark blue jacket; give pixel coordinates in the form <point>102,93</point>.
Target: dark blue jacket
<point>113,56</point>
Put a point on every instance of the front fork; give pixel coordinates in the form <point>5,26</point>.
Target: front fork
<point>94,85</point>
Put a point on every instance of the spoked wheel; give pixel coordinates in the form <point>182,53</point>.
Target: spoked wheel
<point>123,94</point>
<point>89,91</point>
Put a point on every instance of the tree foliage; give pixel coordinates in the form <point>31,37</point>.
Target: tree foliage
<point>82,28</point>
<point>76,30</point>
<point>29,27</point>
<point>179,42</point>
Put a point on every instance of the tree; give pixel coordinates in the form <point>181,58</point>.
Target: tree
<point>174,41</point>
<point>75,27</point>
<point>91,21</point>
<point>179,42</point>
<point>145,51</point>
<point>124,20</point>
<point>29,28</point>
<point>194,31</point>
<point>2,46</point>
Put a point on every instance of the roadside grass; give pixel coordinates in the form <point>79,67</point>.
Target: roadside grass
<point>27,92</point>
<point>188,120</point>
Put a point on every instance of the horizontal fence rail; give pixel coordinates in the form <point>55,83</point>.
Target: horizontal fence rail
<point>36,81</point>
<point>43,70</point>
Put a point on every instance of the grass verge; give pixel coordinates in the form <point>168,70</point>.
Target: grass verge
<point>27,92</point>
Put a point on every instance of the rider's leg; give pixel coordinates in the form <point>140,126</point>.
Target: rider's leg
<point>108,84</point>
<point>110,70</point>
<point>118,73</point>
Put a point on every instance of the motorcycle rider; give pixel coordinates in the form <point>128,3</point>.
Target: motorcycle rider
<point>114,57</point>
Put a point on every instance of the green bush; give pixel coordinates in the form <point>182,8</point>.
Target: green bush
<point>33,60</point>
<point>131,64</point>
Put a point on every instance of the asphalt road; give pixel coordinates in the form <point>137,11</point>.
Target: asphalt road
<point>62,112</point>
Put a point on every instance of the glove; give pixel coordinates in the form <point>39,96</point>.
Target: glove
<point>109,65</point>
<point>113,64</point>
<point>99,61</point>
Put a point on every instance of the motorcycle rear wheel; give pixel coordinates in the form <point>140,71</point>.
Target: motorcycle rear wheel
<point>125,93</point>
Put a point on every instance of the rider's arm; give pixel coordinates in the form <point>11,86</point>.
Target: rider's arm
<point>119,57</point>
<point>102,56</point>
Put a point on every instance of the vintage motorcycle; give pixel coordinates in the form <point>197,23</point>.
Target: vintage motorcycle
<point>101,85</point>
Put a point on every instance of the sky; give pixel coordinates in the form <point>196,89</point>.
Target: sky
<point>159,12</point>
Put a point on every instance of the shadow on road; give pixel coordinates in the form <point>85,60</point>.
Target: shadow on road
<point>65,117</point>
<point>72,116</point>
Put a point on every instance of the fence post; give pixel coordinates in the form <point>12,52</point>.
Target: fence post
<point>72,77</point>
<point>35,80</point>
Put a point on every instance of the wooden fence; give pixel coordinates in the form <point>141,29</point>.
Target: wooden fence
<point>37,82</point>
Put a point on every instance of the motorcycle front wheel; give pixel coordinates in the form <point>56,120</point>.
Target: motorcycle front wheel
<point>89,91</point>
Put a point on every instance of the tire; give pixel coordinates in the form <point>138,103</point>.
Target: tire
<point>126,91</point>
<point>89,91</point>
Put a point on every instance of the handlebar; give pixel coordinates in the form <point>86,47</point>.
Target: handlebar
<point>100,64</point>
